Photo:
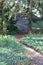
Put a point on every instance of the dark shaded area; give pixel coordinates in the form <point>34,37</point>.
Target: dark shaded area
<point>21,23</point>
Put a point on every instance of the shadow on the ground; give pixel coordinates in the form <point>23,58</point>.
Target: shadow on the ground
<point>37,60</point>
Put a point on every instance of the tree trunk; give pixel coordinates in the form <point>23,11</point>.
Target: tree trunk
<point>1,7</point>
<point>3,21</point>
<point>30,17</point>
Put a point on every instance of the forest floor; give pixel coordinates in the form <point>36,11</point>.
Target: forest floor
<point>37,58</point>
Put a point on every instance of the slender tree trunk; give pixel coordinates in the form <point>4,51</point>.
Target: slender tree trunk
<point>3,21</point>
<point>30,17</point>
<point>1,7</point>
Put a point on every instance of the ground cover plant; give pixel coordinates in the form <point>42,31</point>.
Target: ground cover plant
<point>34,41</point>
<point>12,52</point>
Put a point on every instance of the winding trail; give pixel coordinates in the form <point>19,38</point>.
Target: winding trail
<point>37,58</point>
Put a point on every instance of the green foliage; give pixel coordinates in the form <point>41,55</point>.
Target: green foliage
<point>9,41</point>
<point>12,7</point>
<point>12,52</point>
<point>34,41</point>
<point>9,7</point>
<point>38,24</point>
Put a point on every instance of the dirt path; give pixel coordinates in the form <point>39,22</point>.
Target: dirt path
<point>37,58</point>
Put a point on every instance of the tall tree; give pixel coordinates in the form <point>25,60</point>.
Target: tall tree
<point>1,8</point>
<point>30,15</point>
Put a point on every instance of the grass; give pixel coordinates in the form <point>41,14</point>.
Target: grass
<point>34,41</point>
<point>12,52</point>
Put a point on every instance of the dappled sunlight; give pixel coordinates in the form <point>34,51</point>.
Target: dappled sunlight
<point>21,32</point>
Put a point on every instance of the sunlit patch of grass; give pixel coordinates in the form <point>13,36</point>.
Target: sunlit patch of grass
<point>3,63</point>
<point>34,41</point>
<point>12,52</point>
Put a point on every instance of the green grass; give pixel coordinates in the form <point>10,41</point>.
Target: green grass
<point>12,52</point>
<point>34,41</point>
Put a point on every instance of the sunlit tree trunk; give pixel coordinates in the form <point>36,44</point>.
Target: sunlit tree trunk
<point>3,25</point>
